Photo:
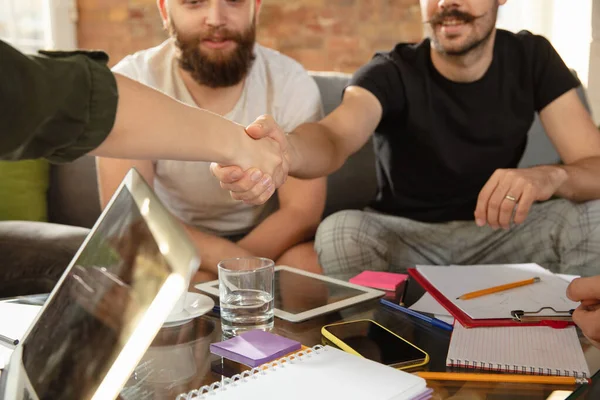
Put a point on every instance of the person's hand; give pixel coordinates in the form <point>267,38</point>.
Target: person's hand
<point>587,315</point>
<point>520,188</point>
<point>257,185</point>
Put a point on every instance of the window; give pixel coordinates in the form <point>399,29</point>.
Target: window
<point>566,23</point>
<point>30,25</point>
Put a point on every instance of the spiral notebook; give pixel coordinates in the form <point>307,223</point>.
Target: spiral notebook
<point>529,349</point>
<point>322,372</point>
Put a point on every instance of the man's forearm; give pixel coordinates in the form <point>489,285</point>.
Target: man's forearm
<point>320,148</point>
<point>315,151</point>
<point>282,230</point>
<point>213,249</point>
<point>583,182</point>
<point>193,134</point>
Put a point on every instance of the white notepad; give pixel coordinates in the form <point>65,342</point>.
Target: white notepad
<point>324,373</point>
<point>428,305</point>
<point>454,281</point>
<point>531,349</point>
<point>15,319</point>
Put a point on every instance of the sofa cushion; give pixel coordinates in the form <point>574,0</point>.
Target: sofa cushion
<point>23,185</point>
<point>37,253</point>
<point>331,85</point>
<point>73,196</point>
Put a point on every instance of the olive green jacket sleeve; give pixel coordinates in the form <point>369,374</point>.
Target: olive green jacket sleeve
<point>58,105</point>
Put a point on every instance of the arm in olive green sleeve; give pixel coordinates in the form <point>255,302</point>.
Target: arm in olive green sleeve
<point>67,104</point>
<point>57,107</point>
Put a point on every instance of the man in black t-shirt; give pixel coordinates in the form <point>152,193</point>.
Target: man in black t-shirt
<point>451,116</point>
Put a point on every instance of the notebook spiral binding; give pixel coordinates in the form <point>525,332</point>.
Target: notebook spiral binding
<point>515,369</point>
<point>253,373</point>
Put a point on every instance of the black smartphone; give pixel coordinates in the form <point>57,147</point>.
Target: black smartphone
<point>369,339</point>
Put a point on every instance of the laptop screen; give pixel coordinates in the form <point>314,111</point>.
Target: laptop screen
<point>101,300</point>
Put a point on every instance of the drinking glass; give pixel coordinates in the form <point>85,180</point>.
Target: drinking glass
<point>246,294</point>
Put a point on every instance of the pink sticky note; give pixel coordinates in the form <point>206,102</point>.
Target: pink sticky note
<point>379,280</point>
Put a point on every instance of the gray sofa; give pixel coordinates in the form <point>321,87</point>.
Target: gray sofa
<point>73,198</point>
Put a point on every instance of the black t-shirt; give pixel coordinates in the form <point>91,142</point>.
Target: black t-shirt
<point>439,141</point>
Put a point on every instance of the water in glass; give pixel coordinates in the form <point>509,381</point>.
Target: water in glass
<point>246,309</point>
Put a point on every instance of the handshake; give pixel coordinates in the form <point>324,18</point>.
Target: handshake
<point>261,163</point>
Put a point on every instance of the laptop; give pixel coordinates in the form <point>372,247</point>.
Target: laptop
<point>108,305</point>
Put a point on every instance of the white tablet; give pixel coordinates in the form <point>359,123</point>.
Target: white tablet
<point>301,295</point>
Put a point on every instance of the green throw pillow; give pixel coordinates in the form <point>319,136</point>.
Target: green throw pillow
<point>23,187</point>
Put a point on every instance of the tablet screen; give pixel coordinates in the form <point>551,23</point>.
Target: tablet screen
<point>110,302</point>
<point>86,324</point>
<point>301,295</point>
<point>296,293</point>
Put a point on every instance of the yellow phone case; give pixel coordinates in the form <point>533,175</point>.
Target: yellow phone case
<point>339,343</point>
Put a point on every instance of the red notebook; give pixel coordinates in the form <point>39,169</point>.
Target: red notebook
<point>469,322</point>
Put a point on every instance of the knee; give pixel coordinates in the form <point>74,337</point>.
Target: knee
<point>577,220</point>
<point>302,256</point>
<point>338,230</point>
<point>347,242</point>
<point>589,217</point>
<point>592,208</point>
<point>579,239</point>
<point>586,216</point>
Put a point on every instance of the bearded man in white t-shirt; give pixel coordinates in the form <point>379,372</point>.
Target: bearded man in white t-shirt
<point>211,61</point>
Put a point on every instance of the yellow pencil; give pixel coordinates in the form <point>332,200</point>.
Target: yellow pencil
<point>497,289</point>
<point>505,378</point>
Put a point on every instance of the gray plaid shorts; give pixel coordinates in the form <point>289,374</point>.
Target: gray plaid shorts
<point>558,234</point>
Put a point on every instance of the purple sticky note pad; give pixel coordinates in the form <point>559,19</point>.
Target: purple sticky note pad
<point>254,348</point>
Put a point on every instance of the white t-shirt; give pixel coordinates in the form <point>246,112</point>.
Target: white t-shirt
<point>276,85</point>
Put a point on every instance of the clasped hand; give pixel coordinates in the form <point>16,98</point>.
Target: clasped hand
<point>269,170</point>
<point>509,194</point>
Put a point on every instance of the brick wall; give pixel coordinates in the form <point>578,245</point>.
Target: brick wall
<point>338,35</point>
<point>119,27</point>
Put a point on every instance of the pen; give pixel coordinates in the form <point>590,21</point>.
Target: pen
<point>433,321</point>
<point>8,340</point>
<point>506,378</point>
<point>404,291</point>
<point>497,289</point>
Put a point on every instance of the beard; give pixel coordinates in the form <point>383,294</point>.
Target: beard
<point>216,69</point>
<point>473,41</point>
